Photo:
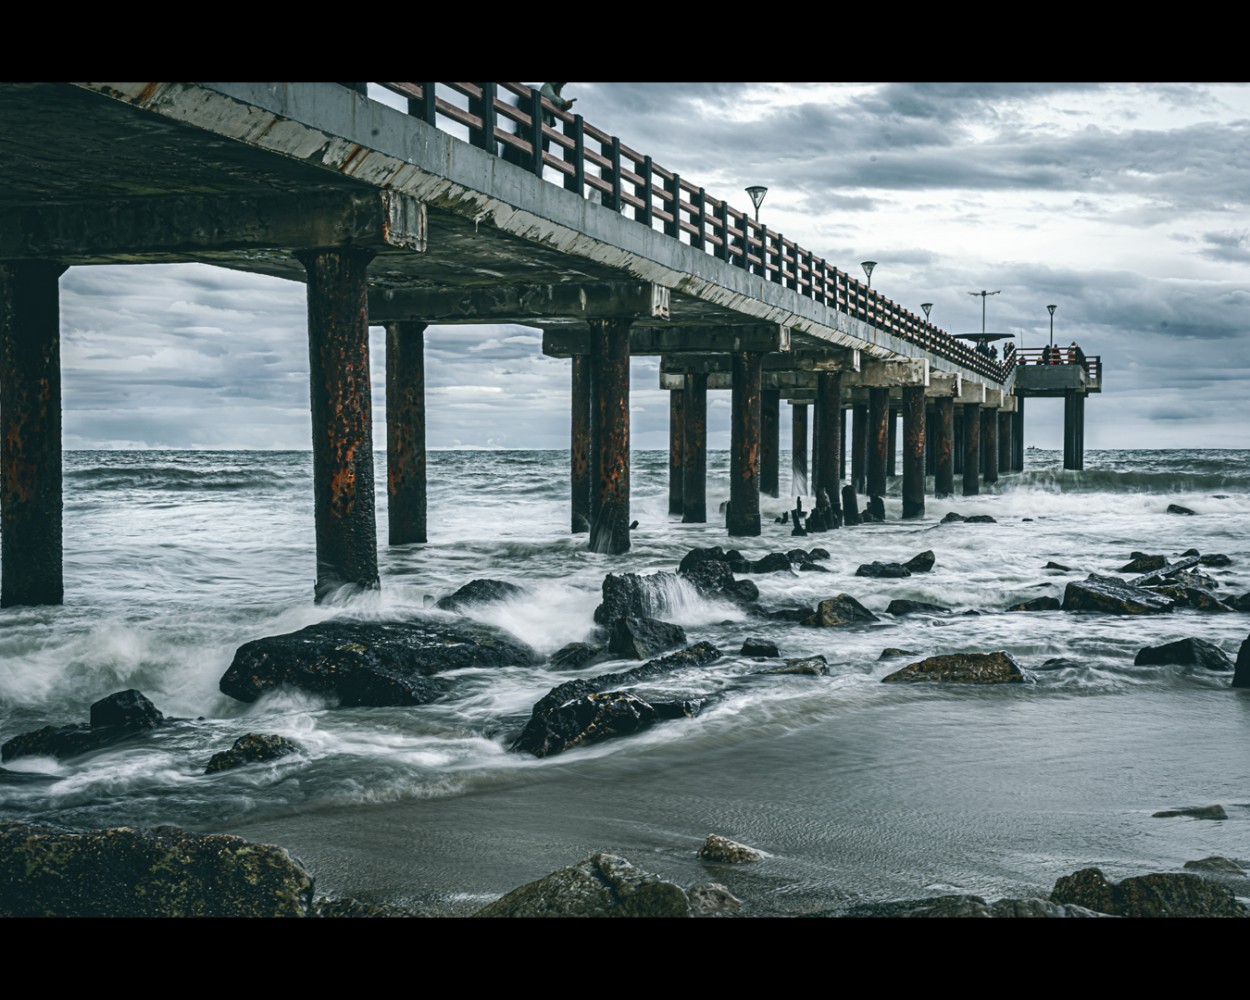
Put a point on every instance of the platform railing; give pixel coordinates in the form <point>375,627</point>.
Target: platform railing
<point>1092,363</point>
<point>593,163</point>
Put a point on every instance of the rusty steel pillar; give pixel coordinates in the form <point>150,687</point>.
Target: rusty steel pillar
<point>694,452</point>
<point>1017,433</point>
<point>828,419</point>
<point>743,516</point>
<point>1005,463</point>
<point>989,430</point>
<point>843,440</point>
<point>891,462</point>
<point>676,447</point>
<point>913,451</point>
<point>878,438</point>
<point>405,432</point>
<point>609,435</point>
<point>1073,429</point>
<point>972,449</point>
<point>859,447</point>
<point>579,445</point>
<point>958,447</point>
<point>930,441</point>
<point>31,566</point>
<point>798,449</point>
<point>342,420</point>
<point>770,441</point>
<point>944,426</point>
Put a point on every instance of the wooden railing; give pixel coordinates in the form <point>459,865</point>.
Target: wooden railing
<point>588,159</point>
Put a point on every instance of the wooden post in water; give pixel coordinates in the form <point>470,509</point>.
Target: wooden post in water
<point>878,438</point>
<point>829,419</point>
<point>859,447</point>
<point>770,442</point>
<point>743,516</point>
<point>694,460</point>
<point>972,449</point>
<point>989,429</point>
<point>944,474</point>
<point>609,435</point>
<point>30,434</point>
<point>798,449</point>
<point>405,433</point>
<point>579,445</point>
<point>342,420</point>
<point>913,451</point>
<point>676,446</point>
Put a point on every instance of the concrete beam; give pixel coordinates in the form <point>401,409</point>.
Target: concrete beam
<point>993,398</point>
<point>188,227</point>
<point>804,361</point>
<point>534,304</point>
<point>559,342</point>
<point>1008,404</point>
<point>971,392</point>
<point>879,374</point>
<point>943,384</point>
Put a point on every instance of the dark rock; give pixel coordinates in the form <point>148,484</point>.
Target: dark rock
<point>593,718</point>
<point>1217,864</point>
<point>641,638</point>
<point>1058,663</point>
<point>902,607</point>
<point>1241,669</point>
<point>355,909</point>
<point>759,647</point>
<point>1193,812</point>
<point>711,579</point>
<point>1037,604</point>
<point>1174,894</point>
<point>113,719</point>
<point>1241,603</point>
<point>876,509</point>
<point>1199,580</point>
<point>722,849</point>
<point>1175,508</point>
<point>1154,576</point>
<point>479,592</point>
<point>576,655</point>
<point>893,653</point>
<point>791,614</point>
<point>628,595</point>
<point>952,518</point>
<point>696,556</point>
<point>602,886</point>
<point>964,906</point>
<point>810,666</point>
<point>798,557</point>
<point>47,871</point>
<point>1112,595</point>
<point>818,553</point>
<point>1191,597</point>
<point>962,668</point>
<point>840,611</point>
<point>744,591</point>
<point>252,748</point>
<point>1195,652</point>
<point>1058,566</point>
<point>1191,552</point>
<point>880,569</point>
<point>1142,563</point>
<point>1215,559</point>
<point>980,519</point>
<point>921,563</point>
<point>774,562</point>
<point>710,898</point>
<point>367,662</point>
<point>811,567</point>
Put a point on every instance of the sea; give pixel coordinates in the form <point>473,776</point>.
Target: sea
<point>856,792</point>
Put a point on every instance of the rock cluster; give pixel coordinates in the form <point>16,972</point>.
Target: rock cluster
<point>112,719</point>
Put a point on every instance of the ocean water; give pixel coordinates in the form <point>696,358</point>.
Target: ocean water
<point>856,790</point>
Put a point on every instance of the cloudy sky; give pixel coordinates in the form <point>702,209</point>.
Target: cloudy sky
<point>1124,204</point>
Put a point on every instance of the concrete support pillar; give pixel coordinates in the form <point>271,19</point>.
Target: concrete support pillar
<point>859,448</point>
<point>891,460</point>
<point>913,451</point>
<point>579,445</point>
<point>743,515</point>
<point>829,419</point>
<point>30,434</point>
<point>405,433</point>
<point>1004,442</point>
<point>798,449</point>
<point>930,442</point>
<point>944,474</point>
<point>1074,429</point>
<point>958,450</point>
<point>878,438</point>
<point>989,428</point>
<point>676,447</point>
<point>1017,433</point>
<point>694,457</point>
<point>770,442</point>
<point>609,435</point>
<point>342,420</point>
<point>843,440</point>
<point>972,449</point>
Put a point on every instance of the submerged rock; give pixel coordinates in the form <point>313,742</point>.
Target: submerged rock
<point>1215,559</point>
<point>479,592</point>
<point>576,655</point>
<point>722,849</point>
<point>602,886</point>
<point>1037,604</point>
<point>641,638</point>
<point>893,653</point>
<point>112,720</point>
<point>1193,812</point>
<point>251,748</point>
<point>1142,563</point>
<point>1174,894</point>
<point>811,666</point>
<point>952,518</point>
<point>903,607</point>
<point>1112,595</point>
<point>47,871</point>
<point>1195,652</point>
<point>366,662</point>
<point>840,611</point>
<point>1215,863</point>
<point>774,562</point>
<point>880,569</point>
<point>921,563</point>
<point>1175,508</point>
<point>963,906</point>
<point>962,668</point>
<point>1058,566</point>
<point>980,519</point>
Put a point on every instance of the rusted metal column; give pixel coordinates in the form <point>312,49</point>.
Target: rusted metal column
<point>798,449</point>
<point>859,447</point>
<point>878,438</point>
<point>342,420</point>
<point>1017,433</point>
<point>1004,442</point>
<point>913,451</point>
<point>30,434</point>
<point>843,439</point>
<point>828,417</point>
<point>972,449</point>
<point>579,445</point>
<point>930,441</point>
<point>743,516</point>
<point>694,457</point>
<point>405,432</point>
<point>609,417</point>
<point>944,429</point>
<point>770,441</point>
<point>891,466</point>
<point>676,447</point>
<point>813,475</point>
<point>1073,429</point>
<point>958,446</point>
<point>989,428</point>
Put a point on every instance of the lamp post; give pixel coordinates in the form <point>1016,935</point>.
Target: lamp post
<point>757,192</point>
<point>983,295</point>
<point>1051,310</point>
<point>927,307</point>
<point>868,265</point>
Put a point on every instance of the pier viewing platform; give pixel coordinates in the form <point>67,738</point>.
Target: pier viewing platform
<point>481,203</point>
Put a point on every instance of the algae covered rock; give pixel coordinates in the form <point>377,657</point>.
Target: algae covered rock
<point>961,668</point>
<point>251,748</point>
<point>602,886</point>
<point>840,611</point>
<point>722,849</point>
<point>1165,894</point>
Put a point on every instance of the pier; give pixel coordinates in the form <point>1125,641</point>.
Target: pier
<point>448,213</point>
